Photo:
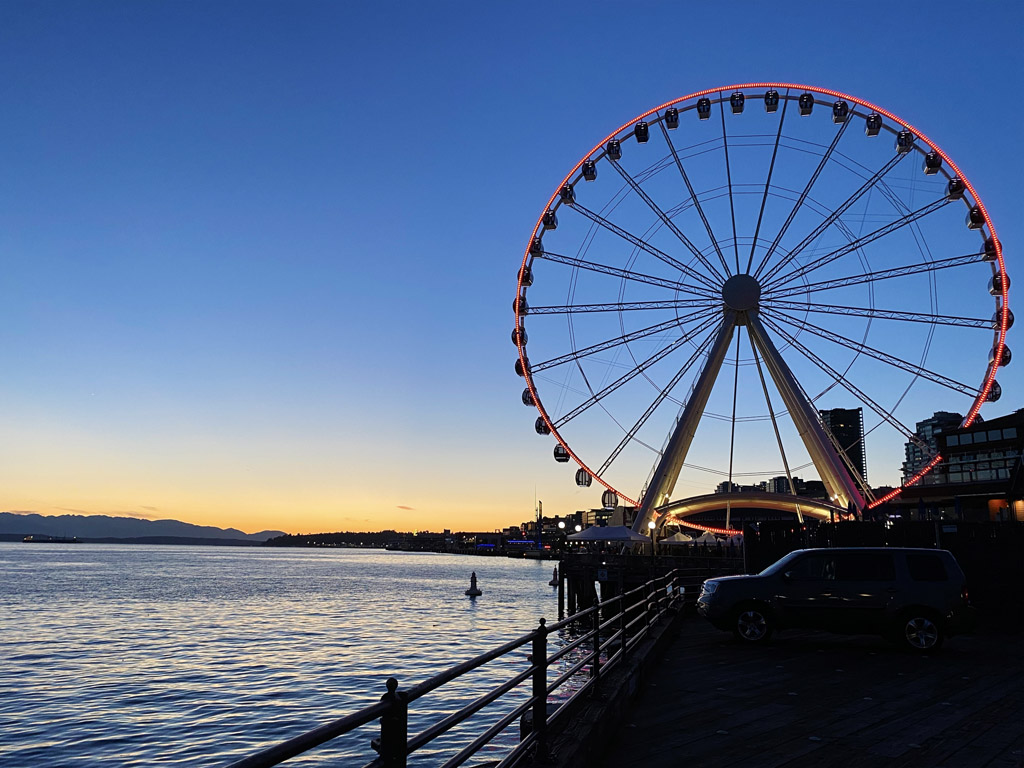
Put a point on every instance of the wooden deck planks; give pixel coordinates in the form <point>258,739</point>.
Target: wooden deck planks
<point>812,699</point>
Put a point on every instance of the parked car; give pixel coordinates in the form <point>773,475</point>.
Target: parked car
<point>917,597</point>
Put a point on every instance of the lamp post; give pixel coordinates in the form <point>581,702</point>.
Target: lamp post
<point>650,527</point>
<point>561,535</point>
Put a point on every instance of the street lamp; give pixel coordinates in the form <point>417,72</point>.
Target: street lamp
<point>650,527</point>
<point>579,528</point>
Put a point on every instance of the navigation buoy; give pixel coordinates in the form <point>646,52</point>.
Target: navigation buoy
<point>554,579</point>
<point>473,591</point>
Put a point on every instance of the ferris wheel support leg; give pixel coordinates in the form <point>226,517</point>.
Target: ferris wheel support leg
<point>837,480</point>
<point>667,472</point>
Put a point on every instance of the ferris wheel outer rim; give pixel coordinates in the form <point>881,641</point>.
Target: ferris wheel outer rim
<point>1000,344</point>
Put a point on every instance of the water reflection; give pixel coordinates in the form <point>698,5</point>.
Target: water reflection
<point>195,655</point>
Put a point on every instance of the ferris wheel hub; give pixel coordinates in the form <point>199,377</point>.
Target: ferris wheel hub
<point>741,293</point>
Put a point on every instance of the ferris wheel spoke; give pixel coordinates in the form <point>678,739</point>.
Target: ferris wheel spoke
<point>696,200</point>
<point>642,244</point>
<point>877,354</point>
<point>662,395</point>
<point>845,383</point>
<point>852,246</point>
<point>728,178</point>
<point>800,200</point>
<point>675,322</point>
<point>664,217</point>
<point>625,274</point>
<point>767,186</point>
<point>876,314</point>
<point>870,277</point>
<point>631,374</point>
<point>624,306</point>
<point>832,217</point>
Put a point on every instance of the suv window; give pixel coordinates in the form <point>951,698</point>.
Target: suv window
<point>925,566</point>
<point>812,566</point>
<point>864,566</point>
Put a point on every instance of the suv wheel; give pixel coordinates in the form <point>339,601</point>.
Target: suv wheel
<point>753,624</point>
<point>919,631</point>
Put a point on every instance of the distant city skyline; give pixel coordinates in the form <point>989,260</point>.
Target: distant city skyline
<point>259,259</point>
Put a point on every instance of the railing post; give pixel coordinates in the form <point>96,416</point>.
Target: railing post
<point>540,687</point>
<point>647,604</point>
<point>561,589</point>
<point>595,666</point>
<point>394,727</point>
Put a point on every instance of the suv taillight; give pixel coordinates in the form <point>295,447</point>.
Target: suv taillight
<point>963,594</point>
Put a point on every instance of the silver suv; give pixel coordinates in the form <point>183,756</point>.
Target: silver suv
<point>917,597</point>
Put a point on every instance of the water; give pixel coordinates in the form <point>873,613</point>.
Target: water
<point>139,655</point>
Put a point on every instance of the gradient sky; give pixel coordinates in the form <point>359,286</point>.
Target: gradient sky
<point>258,257</point>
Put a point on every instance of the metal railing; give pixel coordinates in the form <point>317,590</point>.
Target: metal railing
<point>605,635</point>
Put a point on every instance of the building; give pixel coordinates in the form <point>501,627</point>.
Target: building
<point>980,476</point>
<point>780,484</point>
<point>726,487</point>
<point>847,427</point>
<point>618,515</point>
<point>928,431</point>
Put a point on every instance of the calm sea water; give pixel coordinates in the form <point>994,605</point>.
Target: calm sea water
<point>141,655</point>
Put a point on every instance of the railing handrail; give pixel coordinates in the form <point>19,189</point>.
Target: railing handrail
<point>394,745</point>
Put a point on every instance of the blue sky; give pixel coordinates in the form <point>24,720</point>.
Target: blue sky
<point>258,258</point>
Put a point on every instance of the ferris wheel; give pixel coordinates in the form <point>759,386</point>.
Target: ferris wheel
<point>719,271</point>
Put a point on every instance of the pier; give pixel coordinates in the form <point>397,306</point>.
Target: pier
<point>812,700</point>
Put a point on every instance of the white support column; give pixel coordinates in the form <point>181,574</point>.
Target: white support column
<point>667,472</point>
<point>828,463</point>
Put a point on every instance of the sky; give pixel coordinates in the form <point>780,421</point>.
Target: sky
<point>258,257</point>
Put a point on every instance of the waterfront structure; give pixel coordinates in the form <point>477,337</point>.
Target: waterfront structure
<point>919,452</point>
<point>847,427</point>
<point>980,477</point>
<point>644,332</point>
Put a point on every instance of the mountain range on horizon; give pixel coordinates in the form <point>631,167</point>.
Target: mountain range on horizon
<point>106,526</point>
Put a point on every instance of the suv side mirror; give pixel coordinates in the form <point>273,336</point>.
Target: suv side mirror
<point>788,576</point>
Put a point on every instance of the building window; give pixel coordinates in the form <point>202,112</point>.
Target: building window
<point>953,440</point>
<point>1010,433</point>
<point>995,434</point>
